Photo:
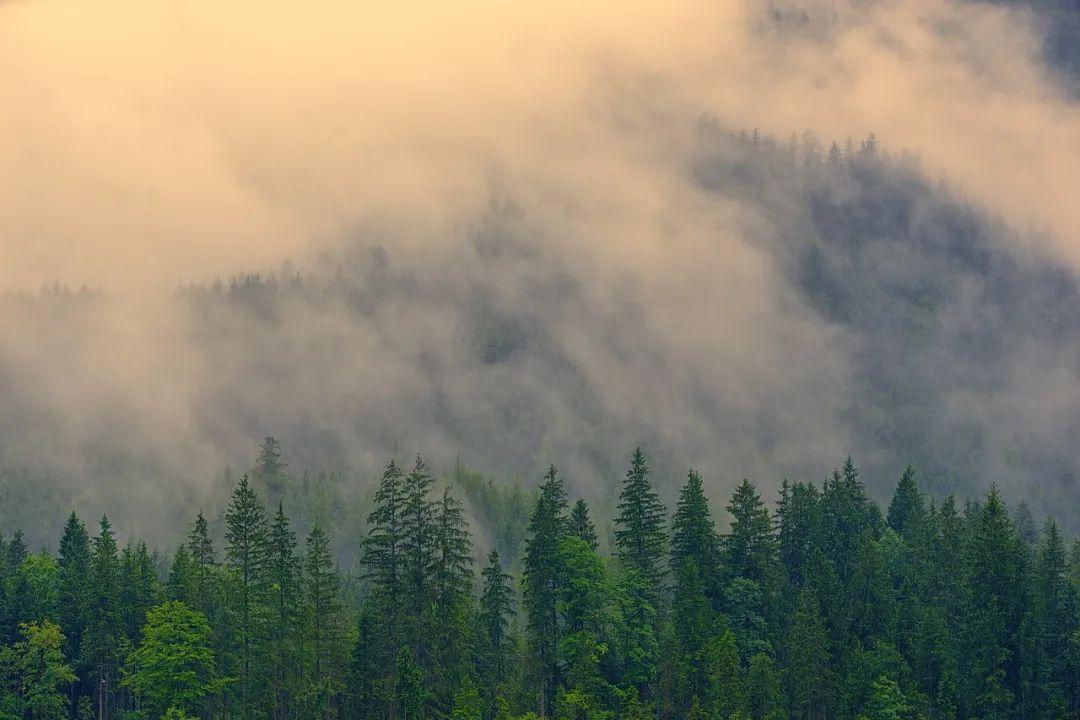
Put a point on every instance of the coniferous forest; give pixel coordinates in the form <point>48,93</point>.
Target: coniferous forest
<point>820,605</point>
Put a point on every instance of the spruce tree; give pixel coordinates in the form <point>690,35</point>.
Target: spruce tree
<point>383,564</point>
<point>808,662</point>
<point>75,592</point>
<point>547,527</point>
<point>750,547</point>
<point>418,554</point>
<point>324,629</point>
<point>246,557</point>
<point>104,630</point>
<point>692,531</point>
<point>640,540</point>
<point>496,608</point>
<point>1054,624</point>
<point>454,611</point>
<point>581,525</point>
<point>283,578</point>
<point>798,519</point>
<point>907,509</point>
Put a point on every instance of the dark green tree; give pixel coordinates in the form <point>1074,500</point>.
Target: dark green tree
<point>640,540</point>
<point>284,595</point>
<point>246,558</point>
<point>548,526</point>
<point>581,525</point>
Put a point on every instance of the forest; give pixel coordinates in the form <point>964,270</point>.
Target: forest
<point>822,606</point>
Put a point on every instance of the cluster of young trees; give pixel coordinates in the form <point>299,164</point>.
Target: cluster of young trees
<point>824,607</point>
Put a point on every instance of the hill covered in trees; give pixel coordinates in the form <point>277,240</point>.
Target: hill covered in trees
<point>863,307</point>
<point>821,606</point>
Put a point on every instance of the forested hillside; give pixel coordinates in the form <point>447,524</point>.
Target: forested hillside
<point>911,327</point>
<point>821,606</point>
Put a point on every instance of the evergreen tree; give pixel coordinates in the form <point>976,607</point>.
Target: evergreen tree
<point>808,662</point>
<point>496,608</point>
<point>750,547</point>
<point>547,528</point>
<point>798,518</point>
<point>639,526</point>
<point>104,630</point>
<point>581,525</point>
<point>283,577</point>
<point>454,611</point>
<point>907,509</point>
<point>75,593</point>
<point>993,613</point>
<point>269,471</point>
<point>1054,624</point>
<point>324,624</point>
<point>246,557</point>
<point>418,556</point>
<point>693,536</point>
<point>764,698</point>
<point>384,568</point>
<point>180,584</point>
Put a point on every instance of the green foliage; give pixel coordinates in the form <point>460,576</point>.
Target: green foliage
<point>173,666</point>
<point>831,612</point>
<point>640,540</point>
<point>37,673</point>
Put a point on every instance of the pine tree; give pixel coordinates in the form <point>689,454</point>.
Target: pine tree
<point>418,554</point>
<point>581,525</point>
<point>750,546</point>
<point>384,568</point>
<point>764,698</point>
<point>639,525</point>
<point>453,611</point>
<point>180,583</point>
<point>547,528</point>
<point>246,557</point>
<point>269,471</point>
<point>798,520</point>
<point>993,613</point>
<point>496,608</point>
<point>1053,626</point>
<point>139,589</point>
<point>808,662</point>
<point>75,592</point>
<point>104,631</point>
<point>324,623</point>
<point>365,673</point>
<point>692,531</point>
<point>907,509</point>
<point>847,515</point>
<point>283,576</point>
<point>200,550</point>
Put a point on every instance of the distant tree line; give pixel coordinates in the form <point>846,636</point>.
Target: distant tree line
<point>822,607</point>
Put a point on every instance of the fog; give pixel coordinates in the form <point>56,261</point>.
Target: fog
<point>504,252</point>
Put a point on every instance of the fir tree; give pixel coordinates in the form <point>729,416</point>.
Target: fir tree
<point>547,528</point>
<point>324,627</point>
<point>246,557</point>
<point>750,547</point>
<point>639,526</point>
<point>907,509</point>
<point>283,578</point>
<point>581,525</point>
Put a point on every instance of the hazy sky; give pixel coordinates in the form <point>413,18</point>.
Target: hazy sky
<point>145,143</point>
